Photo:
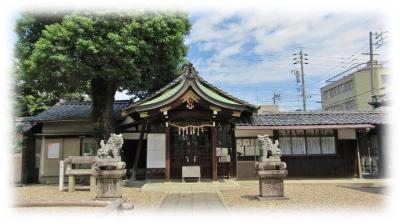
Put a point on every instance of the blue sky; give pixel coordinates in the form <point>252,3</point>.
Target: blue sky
<point>249,53</point>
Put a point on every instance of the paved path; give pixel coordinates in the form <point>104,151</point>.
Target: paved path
<point>203,186</point>
<point>192,202</point>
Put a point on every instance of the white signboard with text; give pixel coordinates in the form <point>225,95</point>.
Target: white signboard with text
<point>155,150</point>
<point>53,150</point>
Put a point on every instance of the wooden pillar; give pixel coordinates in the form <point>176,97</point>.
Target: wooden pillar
<point>167,151</point>
<point>213,153</point>
<point>382,154</point>
<point>80,145</point>
<point>138,149</point>
<point>234,150</point>
<point>358,158</point>
<point>42,157</point>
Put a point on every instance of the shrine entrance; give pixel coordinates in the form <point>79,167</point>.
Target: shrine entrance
<point>193,119</point>
<point>190,150</point>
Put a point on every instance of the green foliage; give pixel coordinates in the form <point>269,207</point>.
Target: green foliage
<point>31,99</point>
<point>137,51</point>
<point>91,53</point>
<point>31,105</point>
<point>30,102</point>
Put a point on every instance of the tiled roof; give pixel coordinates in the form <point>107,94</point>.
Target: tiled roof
<point>22,124</point>
<point>312,118</point>
<point>75,110</point>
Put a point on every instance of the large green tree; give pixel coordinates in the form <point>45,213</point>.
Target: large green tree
<point>100,53</point>
<point>30,99</point>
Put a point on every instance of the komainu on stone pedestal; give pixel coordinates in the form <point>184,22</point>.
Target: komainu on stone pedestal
<point>109,169</point>
<point>270,169</point>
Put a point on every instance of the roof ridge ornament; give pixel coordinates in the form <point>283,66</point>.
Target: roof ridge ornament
<point>189,71</point>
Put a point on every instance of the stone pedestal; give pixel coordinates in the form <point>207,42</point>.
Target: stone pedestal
<point>109,183</point>
<point>271,183</point>
<point>108,176</point>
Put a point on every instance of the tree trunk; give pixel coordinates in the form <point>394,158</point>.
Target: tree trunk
<point>103,93</point>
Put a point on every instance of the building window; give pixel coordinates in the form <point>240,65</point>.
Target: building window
<point>328,145</point>
<point>350,105</point>
<point>347,86</point>
<point>89,149</point>
<point>309,142</point>
<point>285,145</point>
<point>347,106</point>
<point>337,90</point>
<point>313,145</point>
<point>298,145</point>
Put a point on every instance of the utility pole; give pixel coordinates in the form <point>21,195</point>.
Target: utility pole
<point>374,98</point>
<point>275,98</point>
<point>300,61</point>
<point>371,64</point>
<point>302,81</point>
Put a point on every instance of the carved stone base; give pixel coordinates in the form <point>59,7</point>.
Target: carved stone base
<point>108,188</point>
<point>271,183</point>
<point>271,187</point>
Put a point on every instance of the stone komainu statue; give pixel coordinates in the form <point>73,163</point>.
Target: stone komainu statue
<point>269,149</point>
<point>271,155</point>
<point>112,147</point>
<point>270,169</point>
<point>108,168</point>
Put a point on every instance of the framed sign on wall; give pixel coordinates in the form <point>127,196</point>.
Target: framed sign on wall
<point>53,150</point>
<point>155,150</point>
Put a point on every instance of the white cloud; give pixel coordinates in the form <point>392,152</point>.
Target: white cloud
<point>274,37</point>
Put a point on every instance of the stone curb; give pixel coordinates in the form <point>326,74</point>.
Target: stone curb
<point>221,198</point>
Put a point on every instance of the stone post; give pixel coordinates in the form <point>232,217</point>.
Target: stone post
<point>61,177</point>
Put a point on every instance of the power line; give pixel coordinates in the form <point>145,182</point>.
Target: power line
<point>328,57</point>
<point>328,80</point>
<point>336,67</point>
<point>328,73</point>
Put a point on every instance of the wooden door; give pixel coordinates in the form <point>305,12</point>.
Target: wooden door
<point>190,150</point>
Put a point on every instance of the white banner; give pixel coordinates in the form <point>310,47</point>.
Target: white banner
<point>156,150</point>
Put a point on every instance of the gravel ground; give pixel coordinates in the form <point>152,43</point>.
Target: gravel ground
<point>141,200</point>
<point>331,197</point>
<point>300,197</point>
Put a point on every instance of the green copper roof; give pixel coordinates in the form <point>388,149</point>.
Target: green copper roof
<point>189,79</point>
<point>166,95</point>
<point>214,95</point>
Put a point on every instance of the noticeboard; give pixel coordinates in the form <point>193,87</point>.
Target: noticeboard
<point>53,150</point>
<point>155,150</point>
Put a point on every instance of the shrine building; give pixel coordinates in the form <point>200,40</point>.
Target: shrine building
<point>191,123</point>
